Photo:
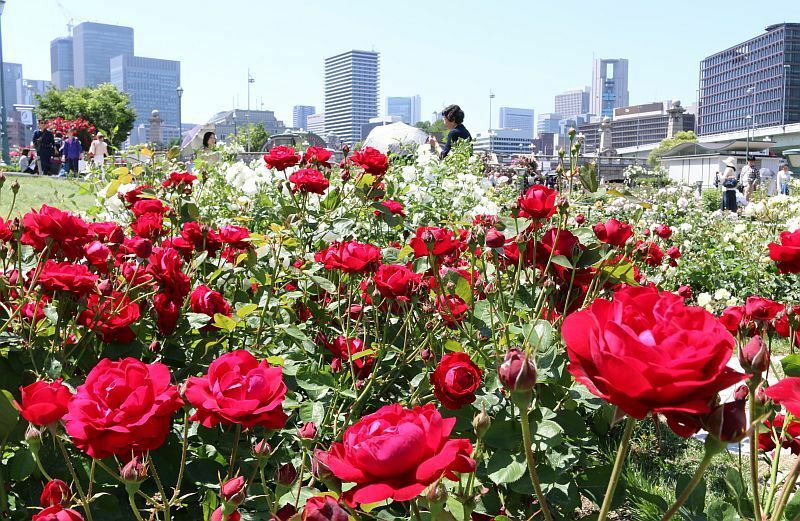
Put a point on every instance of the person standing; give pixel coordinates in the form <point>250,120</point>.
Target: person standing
<point>44,142</point>
<point>729,183</point>
<point>767,179</point>
<point>454,120</point>
<point>784,175</point>
<point>749,177</point>
<point>98,150</point>
<point>72,152</point>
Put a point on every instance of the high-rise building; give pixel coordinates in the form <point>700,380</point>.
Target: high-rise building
<point>351,93</point>
<point>518,119</point>
<point>609,86</point>
<point>11,73</point>
<point>755,83</point>
<point>504,141</point>
<point>229,123</point>
<point>62,63</point>
<point>409,108</point>
<point>93,47</point>
<point>28,89</point>
<point>151,84</point>
<point>316,124</point>
<point>300,115</point>
<point>572,103</point>
<point>548,123</point>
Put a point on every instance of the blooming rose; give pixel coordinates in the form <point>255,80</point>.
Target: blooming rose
<point>396,453</point>
<point>107,232</point>
<point>786,254</point>
<point>613,232</point>
<point>350,257</point>
<point>165,267</point>
<point>5,231</point>
<point>343,348</point>
<point>125,407</point>
<point>791,438</point>
<point>317,155</point>
<point>396,281</point>
<point>442,240</point>
<point>324,508</point>
<point>57,513</point>
<point>371,160</point>
<point>202,238</point>
<point>144,206</point>
<point>137,194</point>
<point>281,157</point>
<point>111,317</point>
<point>393,207</point>
<point>67,232</point>
<point>55,492</point>
<point>43,402</point>
<point>539,202</point>
<point>663,231</point>
<point>148,226</point>
<point>205,300</point>
<point>732,317</point>
<point>645,351</point>
<point>238,389</point>
<point>452,309</point>
<point>455,380</point>
<point>786,393</point>
<point>652,253</point>
<point>236,236</point>
<point>179,178</point>
<point>760,308</point>
<point>673,252</point>
<point>310,181</point>
<point>66,276</point>
<point>98,255</point>
<point>167,313</point>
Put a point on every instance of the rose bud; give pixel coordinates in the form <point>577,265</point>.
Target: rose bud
<point>324,508</point>
<point>646,232</point>
<point>517,372</point>
<point>15,187</point>
<point>345,175</point>
<point>481,423</point>
<point>319,466</point>
<point>761,395</point>
<point>261,449</point>
<point>285,512</point>
<point>754,356</point>
<point>233,491</point>
<point>55,492</point>
<point>105,287</point>
<point>345,150</point>
<point>426,355</point>
<point>218,514</point>
<point>134,471</point>
<point>580,219</point>
<point>727,422</point>
<point>308,431</point>
<point>355,311</point>
<point>155,346</point>
<point>436,492</point>
<point>741,392</point>
<point>685,292</point>
<point>142,247</point>
<point>286,474</point>
<point>336,365</point>
<point>495,239</point>
<point>428,238</point>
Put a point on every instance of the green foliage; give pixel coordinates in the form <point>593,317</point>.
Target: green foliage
<point>437,127</point>
<point>105,107</point>
<point>712,199</point>
<point>667,144</point>
<point>254,134</point>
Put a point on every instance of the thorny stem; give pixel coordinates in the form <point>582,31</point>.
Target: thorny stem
<point>619,462</point>
<point>522,401</point>
<point>84,500</point>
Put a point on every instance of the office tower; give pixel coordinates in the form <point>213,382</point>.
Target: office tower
<point>755,83</point>
<point>409,108</point>
<point>93,47</point>
<point>316,124</point>
<point>11,73</point>
<point>62,63</point>
<point>27,90</point>
<point>572,103</point>
<point>517,119</point>
<point>351,93</point>
<point>548,123</point>
<point>609,86</point>
<point>300,115</point>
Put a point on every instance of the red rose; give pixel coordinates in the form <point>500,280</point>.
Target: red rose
<point>179,178</point>
<point>236,236</point>
<point>165,267</point>
<point>202,237</point>
<point>281,157</point>
<point>452,309</point>
<point>167,313</point>
<point>790,439</point>
<point>43,402</point>
<point>786,393</point>
<point>396,453</point>
<point>233,516</point>
<point>652,253</point>
<point>65,276</point>
<point>539,202</point>
<point>685,292</point>
<point>5,232</point>
<point>396,281</point>
<point>138,246</point>
<point>55,492</point>
<point>663,231</point>
<point>317,155</point>
<point>136,194</point>
<point>107,232</point>
<point>324,508</point>
<point>786,254</point>
<point>350,257</point>
<point>57,513</point>
<point>310,181</point>
<point>393,207</point>
<point>646,352</point>
<point>67,232</point>
<point>149,206</point>
<point>613,232</point>
<point>343,348</point>
<point>125,407</point>
<point>149,226</point>
<point>455,380</point>
<point>205,300</point>
<point>495,238</point>
<point>760,308</point>
<point>98,255</point>
<point>732,317</point>
<point>233,491</point>
<point>441,240</point>
<point>673,252</point>
<point>238,389</point>
<point>559,242</point>
<point>111,317</point>
<point>371,160</point>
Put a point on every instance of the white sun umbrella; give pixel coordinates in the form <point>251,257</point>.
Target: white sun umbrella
<point>394,137</point>
<point>193,139</point>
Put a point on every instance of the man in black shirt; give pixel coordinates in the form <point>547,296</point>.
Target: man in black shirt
<point>454,120</point>
<point>44,142</point>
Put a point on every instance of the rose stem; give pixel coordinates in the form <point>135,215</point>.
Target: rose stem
<point>78,485</point>
<point>754,454</point>
<point>622,453</point>
<point>523,402</point>
<point>236,436</point>
<point>788,487</point>
<point>698,475</point>
<point>164,499</point>
<point>135,510</point>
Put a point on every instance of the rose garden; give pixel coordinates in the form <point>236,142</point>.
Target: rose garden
<point>395,338</point>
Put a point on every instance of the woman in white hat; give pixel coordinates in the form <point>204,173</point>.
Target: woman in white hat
<point>729,183</point>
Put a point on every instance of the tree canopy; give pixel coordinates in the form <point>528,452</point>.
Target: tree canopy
<point>667,144</point>
<point>105,107</point>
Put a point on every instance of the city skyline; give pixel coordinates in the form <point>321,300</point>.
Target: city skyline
<point>443,72</point>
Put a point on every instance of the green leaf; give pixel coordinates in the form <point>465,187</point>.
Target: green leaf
<point>8,414</point>
<point>453,345</point>
<point>560,260</point>
<point>620,272</point>
<point>362,354</point>
<point>22,465</point>
<point>323,283</point>
<point>505,467</point>
<point>791,364</point>
<point>224,322</point>
<point>792,508</point>
<point>697,499</point>
<point>197,320</point>
<point>588,177</point>
<point>246,310</point>
<point>721,511</point>
<point>539,334</point>
<point>312,411</point>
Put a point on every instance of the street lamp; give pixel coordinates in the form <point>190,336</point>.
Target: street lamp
<point>250,80</point>
<point>749,119</point>
<point>4,130</point>
<point>234,124</point>
<point>491,97</point>
<point>179,90</point>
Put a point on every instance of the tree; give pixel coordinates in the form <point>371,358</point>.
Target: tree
<point>105,107</point>
<point>668,144</point>
<point>437,127</point>
<point>256,134</point>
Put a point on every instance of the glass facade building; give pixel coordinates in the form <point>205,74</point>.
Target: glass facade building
<point>351,93</point>
<point>753,84</point>
<point>408,108</point>
<point>515,118</point>
<point>573,103</point>
<point>300,115</point>
<point>62,63</point>
<point>609,86</point>
<point>93,47</point>
<point>12,72</point>
<point>548,123</point>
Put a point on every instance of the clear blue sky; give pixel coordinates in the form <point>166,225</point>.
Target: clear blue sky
<point>446,51</point>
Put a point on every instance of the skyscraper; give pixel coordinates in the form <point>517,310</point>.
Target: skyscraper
<point>351,93</point>
<point>151,84</point>
<point>518,119</point>
<point>755,83</point>
<point>28,89</point>
<point>548,123</point>
<point>409,108</point>
<point>93,47</point>
<point>11,73</point>
<point>609,86</point>
<point>62,63</point>
<point>300,115</point>
<point>573,102</point>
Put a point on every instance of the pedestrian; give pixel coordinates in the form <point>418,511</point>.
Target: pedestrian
<point>98,150</point>
<point>767,178</point>
<point>26,166</point>
<point>209,140</point>
<point>749,177</point>
<point>784,175</point>
<point>55,162</point>
<point>43,143</point>
<point>72,152</point>
<point>454,120</point>
<point>729,183</point>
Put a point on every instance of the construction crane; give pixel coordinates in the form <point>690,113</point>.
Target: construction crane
<point>67,15</point>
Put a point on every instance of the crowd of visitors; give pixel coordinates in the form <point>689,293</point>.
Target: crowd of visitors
<point>52,154</point>
<point>738,188</point>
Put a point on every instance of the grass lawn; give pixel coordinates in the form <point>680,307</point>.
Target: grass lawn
<point>36,191</point>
